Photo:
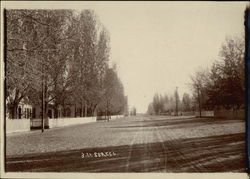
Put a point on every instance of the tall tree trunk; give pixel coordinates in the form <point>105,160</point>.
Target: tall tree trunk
<point>46,113</point>
<point>106,115</point>
<point>108,109</point>
<point>55,112</point>
<point>75,109</point>
<point>43,106</point>
<point>13,110</point>
<point>82,109</point>
<point>46,101</point>
<point>199,101</point>
<point>93,108</point>
<point>86,112</point>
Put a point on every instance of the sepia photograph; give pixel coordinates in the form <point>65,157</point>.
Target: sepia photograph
<point>118,87</point>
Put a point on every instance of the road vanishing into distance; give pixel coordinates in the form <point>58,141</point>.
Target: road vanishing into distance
<point>142,143</point>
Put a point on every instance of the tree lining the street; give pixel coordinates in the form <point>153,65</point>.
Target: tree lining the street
<point>167,104</point>
<point>31,36</point>
<point>199,85</point>
<point>220,87</point>
<point>223,85</point>
<point>186,102</point>
<point>61,54</point>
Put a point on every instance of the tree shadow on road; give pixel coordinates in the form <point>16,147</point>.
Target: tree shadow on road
<point>224,153</point>
<point>180,123</point>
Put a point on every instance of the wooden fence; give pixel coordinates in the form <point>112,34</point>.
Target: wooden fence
<point>17,125</point>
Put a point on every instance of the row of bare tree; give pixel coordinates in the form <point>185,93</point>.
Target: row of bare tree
<point>164,104</point>
<point>221,86</point>
<point>60,57</point>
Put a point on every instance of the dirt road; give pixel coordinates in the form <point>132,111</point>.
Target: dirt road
<point>135,144</point>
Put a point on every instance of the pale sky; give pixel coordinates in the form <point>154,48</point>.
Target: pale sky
<point>158,45</point>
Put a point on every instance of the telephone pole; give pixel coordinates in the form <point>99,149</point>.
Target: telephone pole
<point>176,101</point>
<point>42,98</point>
<point>199,100</point>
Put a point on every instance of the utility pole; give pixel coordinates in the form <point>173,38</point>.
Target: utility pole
<point>176,101</point>
<point>42,98</point>
<point>44,90</point>
<point>199,100</point>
